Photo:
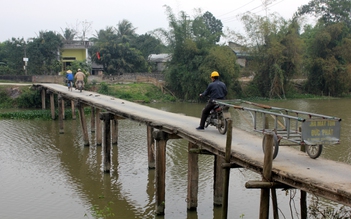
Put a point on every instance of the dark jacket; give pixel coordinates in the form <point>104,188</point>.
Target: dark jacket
<point>216,90</point>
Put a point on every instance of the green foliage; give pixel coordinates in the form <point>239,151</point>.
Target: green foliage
<point>318,211</point>
<point>135,92</point>
<point>195,54</point>
<point>276,52</point>
<point>29,99</point>
<point>104,212</point>
<point>103,88</point>
<point>27,114</point>
<point>5,100</point>
<point>328,11</point>
<point>328,62</point>
<point>116,51</point>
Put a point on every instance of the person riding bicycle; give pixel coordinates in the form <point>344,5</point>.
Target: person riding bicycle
<point>79,76</point>
<point>69,77</point>
<point>216,90</point>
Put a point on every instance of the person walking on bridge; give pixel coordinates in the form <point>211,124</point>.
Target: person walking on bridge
<point>79,76</point>
<point>216,90</point>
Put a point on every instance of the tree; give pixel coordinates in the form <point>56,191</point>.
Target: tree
<point>328,60</point>
<point>328,11</point>
<point>43,53</point>
<point>276,51</point>
<point>68,35</point>
<point>194,56</point>
<point>148,44</point>
<point>112,49</point>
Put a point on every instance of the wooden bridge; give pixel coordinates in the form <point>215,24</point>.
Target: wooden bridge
<point>291,169</point>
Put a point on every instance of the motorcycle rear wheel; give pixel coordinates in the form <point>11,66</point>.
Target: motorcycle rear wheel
<point>222,125</point>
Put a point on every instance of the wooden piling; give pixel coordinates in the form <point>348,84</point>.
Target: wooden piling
<point>52,106</point>
<point>303,194</point>
<point>43,94</point>
<point>92,120</point>
<point>83,124</point>
<point>73,109</point>
<point>218,181</point>
<point>193,177</point>
<point>114,123</point>
<point>63,109</point>
<point>106,117</point>
<point>267,174</point>
<point>161,140</point>
<point>98,130</point>
<point>228,153</point>
<point>150,147</point>
<point>60,113</point>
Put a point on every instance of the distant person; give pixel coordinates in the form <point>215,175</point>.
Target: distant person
<point>69,77</point>
<point>79,76</point>
<point>216,90</point>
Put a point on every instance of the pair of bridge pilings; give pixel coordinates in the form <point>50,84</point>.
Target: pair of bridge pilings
<point>267,185</point>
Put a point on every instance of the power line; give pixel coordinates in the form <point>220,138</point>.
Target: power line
<point>236,9</point>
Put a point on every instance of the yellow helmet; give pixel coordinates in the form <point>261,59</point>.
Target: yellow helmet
<point>214,74</point>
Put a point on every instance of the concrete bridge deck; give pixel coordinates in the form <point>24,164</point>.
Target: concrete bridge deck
<point>320,177</point>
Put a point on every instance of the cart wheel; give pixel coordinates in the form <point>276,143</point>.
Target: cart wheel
<point>275,145</point>
<point>314,151</point>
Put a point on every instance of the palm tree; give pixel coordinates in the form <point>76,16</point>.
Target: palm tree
<point>125,31</point>
<point>68,35</point>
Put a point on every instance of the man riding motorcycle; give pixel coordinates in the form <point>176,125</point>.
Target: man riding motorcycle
<point>79,76</point>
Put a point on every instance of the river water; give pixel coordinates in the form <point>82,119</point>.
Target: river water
<point>45,174</point>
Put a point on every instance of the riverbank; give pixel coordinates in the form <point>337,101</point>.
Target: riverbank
<point>21,95</point>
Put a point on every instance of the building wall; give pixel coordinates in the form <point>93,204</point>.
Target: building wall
<point>79,54</point>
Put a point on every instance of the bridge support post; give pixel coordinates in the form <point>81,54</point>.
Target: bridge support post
<point>92,120</point>
<point>228,153</point>
<point>218,181</point>
<point>52,106</point>
<point>106,117</point>
<point>193,177</point>
<point>43,104</point>
<point>73,110</point>
<point>161,141</point>
<point>303,194</point>
<point>60,113</point>
<point>98,127</point>
<point>114,123</point>
<point>150,147</point>
<point>83,124</point>
<point>63,108</point>
<point>266,175</point>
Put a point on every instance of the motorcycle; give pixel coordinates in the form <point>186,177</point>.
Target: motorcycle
<point>69,85</point>
<point>218,118</point>
<point>80,86</point>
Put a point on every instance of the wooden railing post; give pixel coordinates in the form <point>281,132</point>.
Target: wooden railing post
<point>228,153</point>
<point>267,174</point>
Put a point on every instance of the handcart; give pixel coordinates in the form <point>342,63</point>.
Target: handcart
<point>292,127</point>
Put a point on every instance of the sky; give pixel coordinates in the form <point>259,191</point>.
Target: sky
<point>25,19</point>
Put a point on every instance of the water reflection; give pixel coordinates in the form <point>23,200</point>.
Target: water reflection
<point>45,174</point>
